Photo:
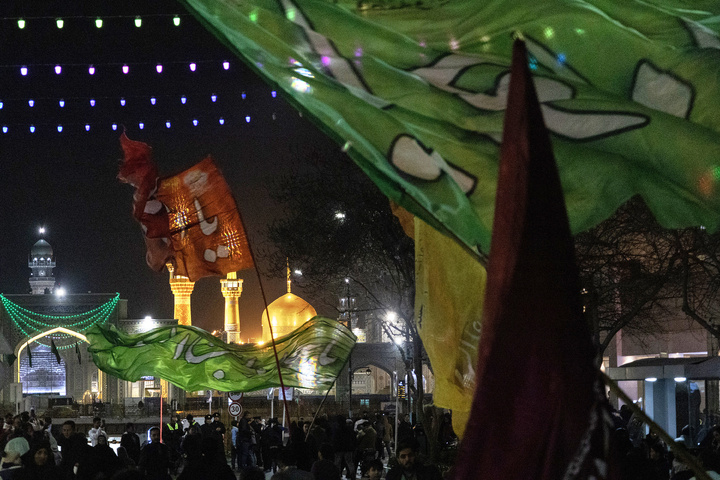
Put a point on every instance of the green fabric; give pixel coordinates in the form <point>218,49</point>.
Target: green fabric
<point>415,91</point>
<point>193,359</point>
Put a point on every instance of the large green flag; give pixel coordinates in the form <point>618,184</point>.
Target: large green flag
<point>415,91</point>
<point>193,359</point>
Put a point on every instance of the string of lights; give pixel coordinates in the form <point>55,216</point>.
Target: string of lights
<point>126,68</point>
<point>31,323</point>
<point>60,22</point>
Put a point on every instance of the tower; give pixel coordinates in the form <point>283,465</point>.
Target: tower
<point>231,288</point>
<point>41,263</point>
<point>181,288</point>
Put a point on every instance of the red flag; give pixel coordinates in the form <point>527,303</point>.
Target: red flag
<point>539,409</point>
<point>190,219</point>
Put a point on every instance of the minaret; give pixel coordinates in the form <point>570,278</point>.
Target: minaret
<point>41,262</point>
<point>181,288</point>
<point>232,289</point>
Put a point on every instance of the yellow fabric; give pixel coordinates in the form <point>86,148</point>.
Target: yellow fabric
<point>450,290</point>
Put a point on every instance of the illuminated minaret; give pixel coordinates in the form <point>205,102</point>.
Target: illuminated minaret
<point>181,288</point>
<point>232,289</point>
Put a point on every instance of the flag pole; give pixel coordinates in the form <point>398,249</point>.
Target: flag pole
<point>267,312</point>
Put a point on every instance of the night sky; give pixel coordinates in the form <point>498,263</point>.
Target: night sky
<point>66,181</point>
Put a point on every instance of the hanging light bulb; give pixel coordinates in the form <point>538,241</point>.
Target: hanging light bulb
<point>125,69</point>
<point>23,70</point>
<point>247,119</point>
<point>222,121</point>
<point>273,93</point>
<point>31,103</point>
<point>91,70</point>
<point>195,122</point>
<point>62,103</point>
<point>5,129</point>
<point>87,127</point>
<point>193,67</point>
<point>92,102</point>
<point>183,99</point>
<point>114,126</point>
<point>59,128</point>
<point>98,23</point>
<point>58,69</point>
<point>213,97</point>
<point>141,125</point>
<point>32,128</point>
<point>176,21</point>
<point>226,65</point>
<point>122,102</point>
<point>167,124</point>
<point>158,67</point>
<point>152,100</point>
<point>21,23</point>
<point>243,95</point>
<point>60,23</point>
<point>1,104</point>
<point>138,22</point>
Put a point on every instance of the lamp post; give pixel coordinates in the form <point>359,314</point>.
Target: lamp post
<point>348,313</point>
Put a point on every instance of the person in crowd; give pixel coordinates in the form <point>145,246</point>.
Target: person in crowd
<point>297,445</point>
<point>375,470</point>
<point>102,462</point>
<point>409,467</point>
<point>405,429</point>
<point>188,423</point>
<point>206,429</point>
<point>271,438</point>
<point>204,460</point>
<point>245,441</point>
<point>155,458</point>
<point>345,441</point>
<point>288,469</point>
<point>234,457</point>
<point>95,431</point>
<point>11,463</point>
<point>257,426</point>
<point>40,464</point>
<point>388,436</point>
<point>74,449</point>
<point>324,467</point>
<point>131,442</point>
<point>365,448</point>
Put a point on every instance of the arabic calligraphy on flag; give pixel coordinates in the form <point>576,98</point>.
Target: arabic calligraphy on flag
<point>193,359</point>
<point>190,219</point>
<point>416,92</point>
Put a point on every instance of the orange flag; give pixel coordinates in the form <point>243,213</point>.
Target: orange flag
<point>189,219</point>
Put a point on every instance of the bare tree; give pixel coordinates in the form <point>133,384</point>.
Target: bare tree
<point>338,229</point>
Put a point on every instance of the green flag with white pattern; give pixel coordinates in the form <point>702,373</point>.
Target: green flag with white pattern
<point>415,92</point>
<point>193,359</point>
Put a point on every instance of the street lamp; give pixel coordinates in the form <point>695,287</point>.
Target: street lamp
<point>347,307</point>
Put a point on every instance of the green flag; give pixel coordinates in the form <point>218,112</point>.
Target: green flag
<point>416,91</point>
<point>193,359</point>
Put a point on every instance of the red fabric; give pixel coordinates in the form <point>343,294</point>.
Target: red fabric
<point>189,219</point>
<point>536,381</point>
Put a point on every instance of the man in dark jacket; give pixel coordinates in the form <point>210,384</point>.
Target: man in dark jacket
<point>409,466</point>
<point>155,458</point>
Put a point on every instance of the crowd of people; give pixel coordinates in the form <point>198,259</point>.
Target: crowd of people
<point>326,449</point>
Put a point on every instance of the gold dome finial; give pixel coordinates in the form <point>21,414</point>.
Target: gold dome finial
<point>287,262</point>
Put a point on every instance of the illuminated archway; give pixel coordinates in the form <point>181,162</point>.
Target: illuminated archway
<point>22,346</point>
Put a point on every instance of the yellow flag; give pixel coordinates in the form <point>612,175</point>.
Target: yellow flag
<point>450,289</point>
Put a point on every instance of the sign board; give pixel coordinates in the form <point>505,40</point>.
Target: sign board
<point>235,409</point>
<point>235,396</point>
<point>288,393</point>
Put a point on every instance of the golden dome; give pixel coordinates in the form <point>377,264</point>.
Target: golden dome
<point>286,314</point>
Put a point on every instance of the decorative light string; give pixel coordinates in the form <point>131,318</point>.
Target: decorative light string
<point>31,323</point>
<point>96,21</point>
<point>126,68</point>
